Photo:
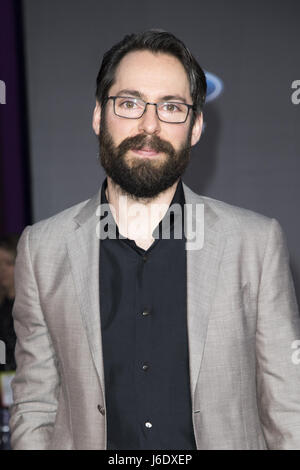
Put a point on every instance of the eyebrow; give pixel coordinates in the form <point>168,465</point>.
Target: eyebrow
<point>138,94</point>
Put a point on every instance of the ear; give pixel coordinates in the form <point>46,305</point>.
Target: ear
<point>197,129</point>
<point>97,118</point>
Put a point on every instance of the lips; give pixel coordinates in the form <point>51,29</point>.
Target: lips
<point>145,151</point>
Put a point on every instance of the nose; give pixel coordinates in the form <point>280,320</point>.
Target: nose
<point>149,122</point>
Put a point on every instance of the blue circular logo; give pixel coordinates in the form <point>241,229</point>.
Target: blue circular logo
<point>214,86</point>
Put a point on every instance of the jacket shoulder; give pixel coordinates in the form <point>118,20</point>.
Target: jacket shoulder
<point>53,228</point>
<point>235,214</point>
<point>229,218</point>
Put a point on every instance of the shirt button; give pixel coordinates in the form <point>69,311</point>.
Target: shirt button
<point>145,367</point>
<point>101,409</point>
<point>145,257</point>
<point>148,424</point>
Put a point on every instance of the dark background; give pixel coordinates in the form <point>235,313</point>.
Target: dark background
<point>249,153</point>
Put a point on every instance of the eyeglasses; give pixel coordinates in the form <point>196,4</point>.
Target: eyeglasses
<point>134,108</point>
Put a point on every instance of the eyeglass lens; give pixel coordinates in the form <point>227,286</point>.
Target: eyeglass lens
<point>167,111</point>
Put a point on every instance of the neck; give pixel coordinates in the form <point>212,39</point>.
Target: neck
<point>137,219</point>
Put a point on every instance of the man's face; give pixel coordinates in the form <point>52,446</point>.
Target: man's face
<point>142,174</point>
<point>7,264</point>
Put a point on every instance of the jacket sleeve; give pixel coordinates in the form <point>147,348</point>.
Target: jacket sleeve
<point>278,329</point>
<point>36,384</point>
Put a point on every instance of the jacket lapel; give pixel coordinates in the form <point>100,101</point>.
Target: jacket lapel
<point>202,274</point>
<point>83,248</point>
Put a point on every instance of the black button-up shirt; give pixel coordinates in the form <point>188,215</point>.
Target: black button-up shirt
<point>144,336</point>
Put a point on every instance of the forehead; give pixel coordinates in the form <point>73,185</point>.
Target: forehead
<point>154,75</point>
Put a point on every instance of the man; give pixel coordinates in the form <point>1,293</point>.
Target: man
<point>8,252</point>
<point>165,341</point>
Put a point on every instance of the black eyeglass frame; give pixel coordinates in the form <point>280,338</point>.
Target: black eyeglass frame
<point>189,106</point>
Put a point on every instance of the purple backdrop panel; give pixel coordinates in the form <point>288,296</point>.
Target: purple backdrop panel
<point>12,149</point>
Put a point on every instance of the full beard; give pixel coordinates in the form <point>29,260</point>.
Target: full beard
<point>142,178</point>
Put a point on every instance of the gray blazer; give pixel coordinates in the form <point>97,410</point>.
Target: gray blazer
<point>242,320</point>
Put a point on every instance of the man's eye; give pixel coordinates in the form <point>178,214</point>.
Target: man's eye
<point>171,107</point>
<point>128,104</point>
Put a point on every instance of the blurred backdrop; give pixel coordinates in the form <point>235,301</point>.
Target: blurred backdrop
<point>248,155</point>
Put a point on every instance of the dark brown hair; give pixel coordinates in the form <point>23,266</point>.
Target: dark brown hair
<point>154,41</point>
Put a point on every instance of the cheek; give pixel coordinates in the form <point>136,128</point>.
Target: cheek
<point>177,137</point>
<point>9,272</point>
<point>121,129</point>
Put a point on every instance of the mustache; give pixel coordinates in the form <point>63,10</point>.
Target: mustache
<point>139,141</point>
